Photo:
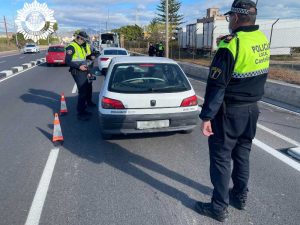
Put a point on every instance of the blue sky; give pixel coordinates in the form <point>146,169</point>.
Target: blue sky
<point>72,14</point>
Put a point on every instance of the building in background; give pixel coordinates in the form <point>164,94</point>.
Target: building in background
<point>202,35</point>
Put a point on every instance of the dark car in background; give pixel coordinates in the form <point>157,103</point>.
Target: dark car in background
<point>56,55</point>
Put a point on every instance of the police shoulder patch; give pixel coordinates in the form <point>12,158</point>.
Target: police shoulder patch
<point>69,52</point>
<point>228,38</point>
<point>215,72</point>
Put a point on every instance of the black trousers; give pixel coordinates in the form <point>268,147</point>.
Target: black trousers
<point>80,78</point>
<point>234,128</point>
<point>89,92</point>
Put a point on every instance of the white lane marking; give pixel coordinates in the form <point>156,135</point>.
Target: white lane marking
<point>22,57</point>
<point>292,163</point>
<point>287,139</point>
<point>15,74</point>
<point>74,90</point>
<point>36,208</point>
<point>2,61</point>
<point>280,108</point>
<point>200,97</point>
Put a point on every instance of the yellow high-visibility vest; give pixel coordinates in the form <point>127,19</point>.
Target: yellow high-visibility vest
<point>80,54</point>
<point>251,50</point>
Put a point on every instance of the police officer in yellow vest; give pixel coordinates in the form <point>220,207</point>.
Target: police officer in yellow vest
<point>76,59</point>
<point>236,82</point>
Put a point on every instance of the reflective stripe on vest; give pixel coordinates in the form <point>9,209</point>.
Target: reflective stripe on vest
<point>251,50</point>
<point>80,54</point>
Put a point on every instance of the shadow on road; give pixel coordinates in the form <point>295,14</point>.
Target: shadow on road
<point>84,140</point>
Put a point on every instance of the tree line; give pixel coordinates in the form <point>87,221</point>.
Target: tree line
<point>155,31</point>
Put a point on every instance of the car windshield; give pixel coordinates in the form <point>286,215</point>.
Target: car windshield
<point>56,49</point>
<point>147,78</point>
<point>30,45</point>
<point>115,52</point>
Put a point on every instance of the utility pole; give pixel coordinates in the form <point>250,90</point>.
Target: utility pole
<point>7,39</point>
<point>167,28</point>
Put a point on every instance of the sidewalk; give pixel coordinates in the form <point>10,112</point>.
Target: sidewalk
<point>9,52</point>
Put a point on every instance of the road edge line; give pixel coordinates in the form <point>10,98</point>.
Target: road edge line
<point>290,162</point>
<point>36,208</point>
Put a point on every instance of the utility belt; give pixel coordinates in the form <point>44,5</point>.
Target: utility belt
<point>227,104</point>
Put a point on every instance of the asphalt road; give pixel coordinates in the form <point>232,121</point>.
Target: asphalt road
<point>17,59</point>
<point>135,179</point>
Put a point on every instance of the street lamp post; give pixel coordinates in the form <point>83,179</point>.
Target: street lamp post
<point>167,29</point>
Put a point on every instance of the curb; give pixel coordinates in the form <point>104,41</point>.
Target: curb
<point>16,69</point>
<point>294,152</point>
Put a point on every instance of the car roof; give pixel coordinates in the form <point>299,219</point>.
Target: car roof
<point>114,48</point>
<point>142,59</point>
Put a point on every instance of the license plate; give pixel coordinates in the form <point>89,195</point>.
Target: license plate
<point>152,124</point>
<point>58,61</point>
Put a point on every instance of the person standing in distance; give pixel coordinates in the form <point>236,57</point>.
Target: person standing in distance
<point>229,115</point>
<point>76,59</point>
<point>151,50</point>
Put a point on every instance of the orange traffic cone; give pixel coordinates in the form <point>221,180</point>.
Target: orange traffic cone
<point>63,105</point>
<point>58,138</point>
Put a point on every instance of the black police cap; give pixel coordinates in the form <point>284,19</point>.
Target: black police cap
<point>243,7</point>
<point>83,35</point>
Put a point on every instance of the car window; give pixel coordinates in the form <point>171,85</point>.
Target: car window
<point>30,46</point>
<point>147,78</point>
<point>56,49</point>
<point>115,52</point>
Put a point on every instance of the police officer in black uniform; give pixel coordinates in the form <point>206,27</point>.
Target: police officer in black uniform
<point>151,50</point>
<point>236,82</point>
<point>76,59</point>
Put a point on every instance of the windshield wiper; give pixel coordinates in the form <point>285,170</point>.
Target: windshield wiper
<point>168,88</point>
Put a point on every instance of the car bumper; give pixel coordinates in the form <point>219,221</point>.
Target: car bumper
<point>127,124</point>
<point>55,61</point>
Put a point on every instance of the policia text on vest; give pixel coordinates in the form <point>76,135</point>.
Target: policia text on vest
<point>263,53</point>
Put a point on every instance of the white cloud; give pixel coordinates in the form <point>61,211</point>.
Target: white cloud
<point>94,13</point>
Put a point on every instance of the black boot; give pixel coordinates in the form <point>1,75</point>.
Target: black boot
<point>238,200</point>
<point>206,209</point>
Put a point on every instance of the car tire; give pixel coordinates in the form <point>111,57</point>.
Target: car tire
<point>48,64</point>
<point>187,131</point>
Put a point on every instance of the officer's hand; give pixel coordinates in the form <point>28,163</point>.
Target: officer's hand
<point>83,68</point>
<point>206,128</point>
<point>93,57</point>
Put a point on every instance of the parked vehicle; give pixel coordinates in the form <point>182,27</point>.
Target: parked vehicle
<point>56,55</point>
<point>146,94</point>
<point>106,40</point>
<point>107,54</point>
<point>31,48</point>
